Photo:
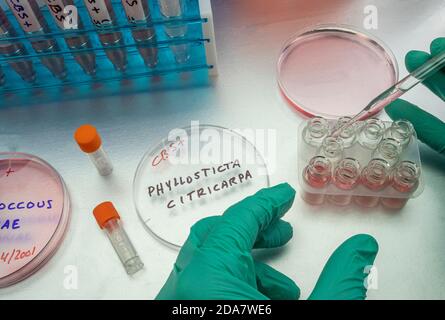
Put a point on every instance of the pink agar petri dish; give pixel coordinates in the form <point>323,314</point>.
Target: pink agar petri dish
<point>332,71</point>
<point>34,214</point>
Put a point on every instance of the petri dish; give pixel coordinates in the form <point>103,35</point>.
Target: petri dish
<point>34,214</point>
<point>194,173</point>
<point>333,71</point>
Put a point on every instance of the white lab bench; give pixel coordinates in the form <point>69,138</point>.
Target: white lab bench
<point>249,34</point>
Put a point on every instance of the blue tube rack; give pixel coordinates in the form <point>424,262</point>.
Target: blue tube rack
<point>167,74</point>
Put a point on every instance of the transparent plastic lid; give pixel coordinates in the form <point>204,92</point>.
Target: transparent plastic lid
<point>194,173</point>
<point>333,71</point>
<point>34,213</point>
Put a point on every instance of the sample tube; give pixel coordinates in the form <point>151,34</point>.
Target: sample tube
<point>389,149</point>
<point>317,175</point>
<point>402,131</point>
<point>375,177</point>
<point>405,180</point>
<point>60,13</point>
<point>332,148</point>
<point>316,131</point>
<point>346,177</point>
<point>103,17</point>
<point>371,133</point>
<point>173,9</point>
<point>108,220</point>
<point>347,135</point>
<point>32,22</point>
<point>11,48</point>
<point>144,34</point>
<point>90,142</point>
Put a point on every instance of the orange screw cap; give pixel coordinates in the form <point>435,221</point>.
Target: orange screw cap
<point>105,212</point>
<point>87,138</point>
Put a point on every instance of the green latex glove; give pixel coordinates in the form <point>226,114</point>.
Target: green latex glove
<point>216,261</point>
<point>429,129</point>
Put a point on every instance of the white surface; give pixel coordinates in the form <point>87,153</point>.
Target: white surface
<point>411,261</point>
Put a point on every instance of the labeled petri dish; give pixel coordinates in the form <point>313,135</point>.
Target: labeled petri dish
<point>194,173</point>
<point>34,214</point>
<point>333,71</point>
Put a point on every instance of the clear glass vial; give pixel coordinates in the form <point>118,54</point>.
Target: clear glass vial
<point>374,177</point>
<point>332,149</point>
<point>108,219</point>
<point>317,175</point>
<point>402,131</point>
<point>405,180</point>
<point>90,142</point>
<point>316,130</point>
<point>346,177</point>
<point>389,149</point>
<point>349,134</point>
<point>371,133</point>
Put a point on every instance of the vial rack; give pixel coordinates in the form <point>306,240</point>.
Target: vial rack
<point>167,74</point>
<point>322,194</point>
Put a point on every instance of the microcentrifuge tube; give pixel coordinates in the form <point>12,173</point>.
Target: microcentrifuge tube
<point>316,131</point>
<point>59,10</point>
<point>317,175</point>
<point>374,177</point>
<point>347,135</point>
<point>346,177</point>
<point>173,10</point>
<point>90,142</point>
<point>388,149</point>
<point>108,220</point>
<point>402,131</point>
<point>33,23</point>
<point>332,148</point>
<point>405,180</point>
<point>11,48</point>
<point>371,133</point>
<point>103,17</point>
<point>138,14</point>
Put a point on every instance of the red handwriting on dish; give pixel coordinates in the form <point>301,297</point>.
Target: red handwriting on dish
<point>164,154</point>
<point>9,171</point>
<point>16,254</point>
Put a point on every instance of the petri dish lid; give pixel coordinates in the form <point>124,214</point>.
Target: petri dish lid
<point>194,173</point>
<point>34,214</point>
<point>333,71</point>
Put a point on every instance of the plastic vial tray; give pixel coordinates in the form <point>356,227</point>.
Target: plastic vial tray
<point>327,190</point>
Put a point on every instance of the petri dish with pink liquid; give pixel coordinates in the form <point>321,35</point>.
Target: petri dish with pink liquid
<point>333,70</point>
<point>34,214</point>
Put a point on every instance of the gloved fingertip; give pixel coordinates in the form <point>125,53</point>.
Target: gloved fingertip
<point>437,46</point>
<point>415,59</point>
<point>284,189</point>
<point>275,284</point>
<point>276,235</point>
<point>365,244</point>
<point>397,109</point>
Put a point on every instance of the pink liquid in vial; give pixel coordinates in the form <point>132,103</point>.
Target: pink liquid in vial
<point>317,175</point>
<point>334,72</point>
<point>405,180</point>
<point>374,177</point>
<point>346,177</point>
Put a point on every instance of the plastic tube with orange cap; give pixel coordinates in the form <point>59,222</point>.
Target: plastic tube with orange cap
<point>108,219</point>
<point>90,142</point>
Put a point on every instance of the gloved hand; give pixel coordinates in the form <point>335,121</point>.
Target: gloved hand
<point>216,261</point>
<point>429,129</point>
